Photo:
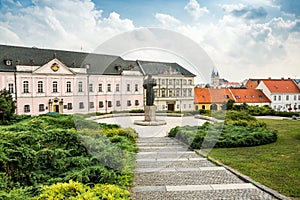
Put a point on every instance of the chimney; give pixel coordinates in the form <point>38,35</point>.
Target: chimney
<point>269,78</point>
<point>282,78</point>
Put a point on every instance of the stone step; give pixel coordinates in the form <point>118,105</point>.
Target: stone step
<point>147,170</point>
<point>230,194</point>
<point>162,148</point>
<point>168,159</point>
<point>185,178</point>
<point>170,154</point>
<point>174,164</point>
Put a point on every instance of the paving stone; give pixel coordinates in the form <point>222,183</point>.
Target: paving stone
<point>175,164</point>
<point>238,194</point>
<point>185,178</point>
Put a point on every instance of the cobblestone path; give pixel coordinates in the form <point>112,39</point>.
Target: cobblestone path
<point>166,169</point>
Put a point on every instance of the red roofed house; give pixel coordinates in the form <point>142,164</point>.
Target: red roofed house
<point>211,98</point>
<point>284,94</point>
<point>214,98</point>
<point>252,97</point>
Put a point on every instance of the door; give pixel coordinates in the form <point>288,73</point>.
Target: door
<point>171,107</point>
<point>55,108</point>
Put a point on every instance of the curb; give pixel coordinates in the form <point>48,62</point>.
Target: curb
<point>245,178</point>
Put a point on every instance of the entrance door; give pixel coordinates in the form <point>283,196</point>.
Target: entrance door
<point>55,108</point>
<point>171,107</point>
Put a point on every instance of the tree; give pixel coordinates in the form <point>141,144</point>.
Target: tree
<point>230,104</point>
<point>7,106</point>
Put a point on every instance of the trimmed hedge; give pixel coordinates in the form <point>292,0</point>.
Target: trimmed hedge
<point>220,136</point>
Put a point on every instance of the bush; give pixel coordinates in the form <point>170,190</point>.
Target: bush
<point>47,149</point>
<point>75,190</point>
<point>216,135</point>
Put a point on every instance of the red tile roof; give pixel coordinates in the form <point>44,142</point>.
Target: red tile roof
<point>249,96</point>
<point>252,83</point>
<point>211,95</point>
<point>281,86</point>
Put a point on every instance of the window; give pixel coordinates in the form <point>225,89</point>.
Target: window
<point>54,86</point>
<point>170,82</point>
<point>190,82</point>
<point>184,82</point>
<point>100,87</point>
<point>274,98</point>
<point>155,93</point>
<point>136,87</point>
<point>177,106</point>
<point>190,92</point>
<point>184,92</point>
<point>109,87</point>
<point>81,105</point>
<point>128,87</point>
<point>109,104</point>
<point>118,103</point>
<point>25,87</point>
<point>69,89</point>
<point>177,82</point>
<point>279,98</point>
<point>92,105</point>
<point>80,86</point>
<point>117,87</point>
<point>41,107</point>
<point>11,88</point>
<point>177,92</point>
<point>91,87</point>
<point>40,87</point>
<point>101,104</point>
<point>170,93</point>
<point>163,107</point>
<point>128,103</point>
<point>69,106</point>
<point>26,109</point>
<point>190,105</point>
<point>163,81</point>
<point>287,97</point>
<point>203,107</point>
<point>136,102</point>
<point>163,93</point>
<point>295,97</point>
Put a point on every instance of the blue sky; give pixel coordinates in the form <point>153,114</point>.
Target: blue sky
<point>244,39</point>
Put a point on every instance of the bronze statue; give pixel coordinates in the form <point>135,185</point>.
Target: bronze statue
<point>149,83</point>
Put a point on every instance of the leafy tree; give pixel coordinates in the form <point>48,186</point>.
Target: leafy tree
<point>7,106</point>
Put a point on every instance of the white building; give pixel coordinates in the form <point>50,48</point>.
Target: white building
<point>175,85</point>
<point>283,93</point>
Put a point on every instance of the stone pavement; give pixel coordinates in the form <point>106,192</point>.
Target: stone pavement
<point>166,169</point>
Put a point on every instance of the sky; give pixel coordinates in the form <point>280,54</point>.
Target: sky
<point>244,39</point>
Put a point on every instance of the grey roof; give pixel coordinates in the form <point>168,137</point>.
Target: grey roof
<point>99,64</point>
<point>160,68</point>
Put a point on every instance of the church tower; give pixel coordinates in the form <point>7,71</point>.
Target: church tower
<point>215,78</point>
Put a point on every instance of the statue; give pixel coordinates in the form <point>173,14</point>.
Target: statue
<point>149,83</point>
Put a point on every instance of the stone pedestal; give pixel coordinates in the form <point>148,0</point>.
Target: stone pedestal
<point>150,114</point>
<point>150,118</point>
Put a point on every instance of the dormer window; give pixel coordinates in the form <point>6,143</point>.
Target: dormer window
<point>8,62</point>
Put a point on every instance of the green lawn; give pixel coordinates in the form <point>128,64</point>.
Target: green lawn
<point>275,165</point>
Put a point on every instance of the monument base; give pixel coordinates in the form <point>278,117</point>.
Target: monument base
<point>150,118</point>
<point>150,114</point>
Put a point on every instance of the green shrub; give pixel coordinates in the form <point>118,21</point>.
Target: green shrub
<point>216,135</point>
<point>78,191</point>
<point>47,149</point>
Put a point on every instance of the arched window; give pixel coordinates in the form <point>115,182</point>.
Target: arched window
<point>54,86</point>
<point>25,87</point>
<point>40,87</point>
<point>69,89</point>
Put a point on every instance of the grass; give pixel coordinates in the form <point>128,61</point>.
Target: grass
<point>275,165</point>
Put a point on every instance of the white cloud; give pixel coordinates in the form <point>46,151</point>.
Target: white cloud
<point>194,9</point>
<point>167,20</point>
<point>65,24</point>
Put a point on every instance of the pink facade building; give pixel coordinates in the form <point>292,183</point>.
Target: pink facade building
<point>43,81</point>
